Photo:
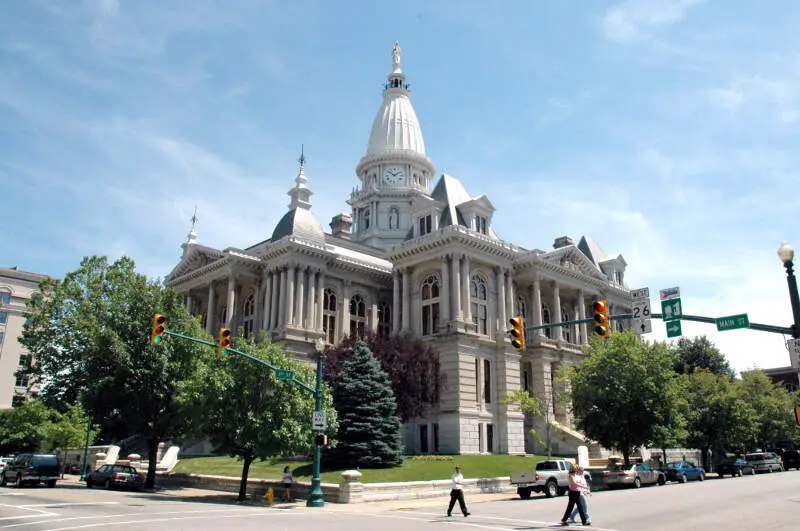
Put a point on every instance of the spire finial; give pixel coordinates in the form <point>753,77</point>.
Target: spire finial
<point>396,55</point>
<point>192,233</point>
<point>300,194</point>
<point>302,159</point>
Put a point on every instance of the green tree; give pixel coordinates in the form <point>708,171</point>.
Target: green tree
<point>530,405</point>
<point>67,431</point>
<point>246,412</point>
<point>622,390</point>
<point>700,353</point>
<point>23,428</point>
<point>369,429</point>
<point>775,421</point>
<point>673,430</point>
<point>90,337</point>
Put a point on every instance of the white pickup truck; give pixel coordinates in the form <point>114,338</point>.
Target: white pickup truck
<point>550,477</point>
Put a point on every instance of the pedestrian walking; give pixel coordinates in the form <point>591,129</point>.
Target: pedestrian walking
<point>584,497</point>
<point>457,493</point>
<point>574,496</point>
<point>287,484</point>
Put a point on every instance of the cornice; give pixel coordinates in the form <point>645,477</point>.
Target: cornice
<point>454,234</point>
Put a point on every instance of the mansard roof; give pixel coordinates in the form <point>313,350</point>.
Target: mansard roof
<point>592,250</point>
<point>451,193</point>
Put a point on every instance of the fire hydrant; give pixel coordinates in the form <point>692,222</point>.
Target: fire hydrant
<point>269,496</point>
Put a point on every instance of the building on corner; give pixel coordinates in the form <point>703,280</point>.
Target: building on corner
<point>417,253</point>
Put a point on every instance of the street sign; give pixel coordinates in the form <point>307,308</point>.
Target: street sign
<point>640,310</point>
<point>671,309</point>
<point>794,352</point>
<point>283,374</point>
<point>641,293</point>
<point>674,329</point>
<point>733,322</point>
<point>319,421</point>
<point>642,326</point>
<point>670,293</point>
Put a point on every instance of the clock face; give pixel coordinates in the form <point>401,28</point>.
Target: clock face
<point>394,175</point>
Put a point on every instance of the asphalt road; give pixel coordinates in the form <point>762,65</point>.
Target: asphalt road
<point>769,501</point>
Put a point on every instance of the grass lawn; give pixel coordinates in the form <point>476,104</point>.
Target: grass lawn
<point>420,469</point>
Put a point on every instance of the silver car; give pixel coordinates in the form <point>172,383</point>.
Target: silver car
<point>633,475</point>
<point>764,462</point>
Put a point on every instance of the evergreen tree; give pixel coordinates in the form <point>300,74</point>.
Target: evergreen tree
<point>369,428</point>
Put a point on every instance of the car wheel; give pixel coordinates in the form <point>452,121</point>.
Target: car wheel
<point>524,493</point>
<point>551,489</point>
<point>3,482</point>
<point>51,484</point>
<point>108,484</point>
<point>662,480</point>
<point>683,478</point>
<point>89,483</point>
<point>637,483</point>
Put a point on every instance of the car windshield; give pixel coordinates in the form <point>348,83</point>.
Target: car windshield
<point>547,465</point>
<point>45,460</point>
<point>618,467</point>
<point>674,464</point>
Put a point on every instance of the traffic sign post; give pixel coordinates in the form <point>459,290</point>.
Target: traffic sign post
<point>674,328</point>
<point>732,322</point>
<point>283,374</point>
<point>319,421</point>
<point>794,352</point>
<point>641,293</point>
<point>640,311</point>
<point>671,309</point>
<point>670,293</point>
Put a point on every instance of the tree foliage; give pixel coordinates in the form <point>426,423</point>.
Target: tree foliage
<point>246,412</point>
<point>90,337</point>
<point>22,429</point>
<point>66,431</point>
<point>774,405</point>
<point>369,428</point>
<point>700,353</point>
<point>622,390</point>
<point>531,405</point>
<point>412,365</point>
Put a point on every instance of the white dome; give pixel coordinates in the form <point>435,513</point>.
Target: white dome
<point>396,126</point>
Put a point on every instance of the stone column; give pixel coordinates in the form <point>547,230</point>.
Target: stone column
<point>311,314</point>
<point>212,309</point>
<point>189,302</point>
<point>536,292</point>
<point>267,317</point>
<point>445,293</point>
<point>582,315</point>
<point>320,298</point>
<point>576,329</point>
<point>396,302</point>
<point>284,292</point>
<point>274,309</point>
<point>289,303</point>
<point>406,299</point>
<point>457,312</point>
<point>542,385</point>
<point>373,319</point>
<point>511,297</point>
<point>501,298</point>
<point>345,322</point>
<point>556,317</point>
<point>231,301</point>
<point>301,295</point>
<point>465,285</point>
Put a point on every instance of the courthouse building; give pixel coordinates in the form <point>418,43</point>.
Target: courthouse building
<point>417,253</point>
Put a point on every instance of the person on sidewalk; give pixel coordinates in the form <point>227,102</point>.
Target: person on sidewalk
<point>457,493</point>
<point>580,478</point>
<point>287,484</point>
<point>574,496</point>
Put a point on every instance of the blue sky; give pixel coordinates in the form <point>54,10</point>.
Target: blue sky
<point>665,129</point>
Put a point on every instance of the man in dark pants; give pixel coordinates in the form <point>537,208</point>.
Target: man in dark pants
<point>457,493</point>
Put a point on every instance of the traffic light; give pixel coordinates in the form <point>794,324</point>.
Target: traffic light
<point>224,342</point>
<point>601,324</point>
<point>320,439</point>
<point>517,333</point>
<point>159,329</point>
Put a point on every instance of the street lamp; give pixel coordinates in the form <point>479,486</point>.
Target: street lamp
<point>786,254</point>
<point>315,498</point>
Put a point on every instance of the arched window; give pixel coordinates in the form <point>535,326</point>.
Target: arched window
<point>358,316</point>
<point>329,316</point>
<point>384,319</point>
<point>566,332</point>
<point>480,308</point>
<point>366,219</point>
<point>548,332</point>
<point>430,305</point>
<point>249,315</point>
<point>394,218</point>
<point>521,308</point>
<point>223,316</point>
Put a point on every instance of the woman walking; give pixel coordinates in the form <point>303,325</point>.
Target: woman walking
<point>583,500</point>
<point>574,497</point>
<point>287,484</point>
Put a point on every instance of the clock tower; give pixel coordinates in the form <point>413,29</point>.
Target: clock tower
<point>394,171</point>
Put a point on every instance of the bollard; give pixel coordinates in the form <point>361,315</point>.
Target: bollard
<point>269,496</point>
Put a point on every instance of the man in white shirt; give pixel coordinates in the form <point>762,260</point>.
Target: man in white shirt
<point>457,493</point>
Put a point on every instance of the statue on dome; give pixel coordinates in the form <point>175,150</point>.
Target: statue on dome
<point>396,56</point>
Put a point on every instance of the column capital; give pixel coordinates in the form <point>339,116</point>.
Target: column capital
<point>347,283</point>
<point>446,257</point>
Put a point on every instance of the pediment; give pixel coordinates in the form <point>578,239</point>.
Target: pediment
<point>195,257</point>
<point>571,258</point>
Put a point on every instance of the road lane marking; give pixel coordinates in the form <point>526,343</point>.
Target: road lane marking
<point>153,520</point>
<point>67,504</point>
<point>107,516</point>
<point>460,521</point>
<point>12,494</point>
<point>25,508</point>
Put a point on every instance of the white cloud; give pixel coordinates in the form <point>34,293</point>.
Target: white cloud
<point>631,19</point>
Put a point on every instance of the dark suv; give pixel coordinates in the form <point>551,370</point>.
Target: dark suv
<point>791,459</point>
<point>31,469</point>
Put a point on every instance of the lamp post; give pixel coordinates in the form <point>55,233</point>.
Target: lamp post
<point>85,469</point>
<point>786,254</point>
<point>315,498</point>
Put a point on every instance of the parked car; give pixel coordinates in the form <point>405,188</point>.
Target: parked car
<point>764,462</point>
<point>791,459</point>
<point>633,475</point>
<point>735,468</point>
<point>550,477</point>
<point>31,469</point>
<point>4,461</point>
<point>683,471</point>
<point>111,476</point>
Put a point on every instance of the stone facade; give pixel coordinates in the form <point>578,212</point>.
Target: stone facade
<point>421,258</point>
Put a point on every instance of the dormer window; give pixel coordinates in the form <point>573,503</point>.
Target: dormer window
<point>425,225</point>
<point>480,224</point>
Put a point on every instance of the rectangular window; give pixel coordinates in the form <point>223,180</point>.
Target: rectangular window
<point>425,225</point>
<point>480,224</point>
<point>329,326</point>
<point>436,438</point>
<point>3,317</point>
<point>24,360</point>
<point>426,319</point>
<point>480,317</point>
<point>435,317</point>
<point>1,338</point>
<point>526,381</point>
<point>423,439</point>
<point>490,438</point>
<point>480,437</point>
<point>5,298</point>
<point>17,400</point>
<point>477,380</point>
<point>487,382</point>
<point>22,381</point>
